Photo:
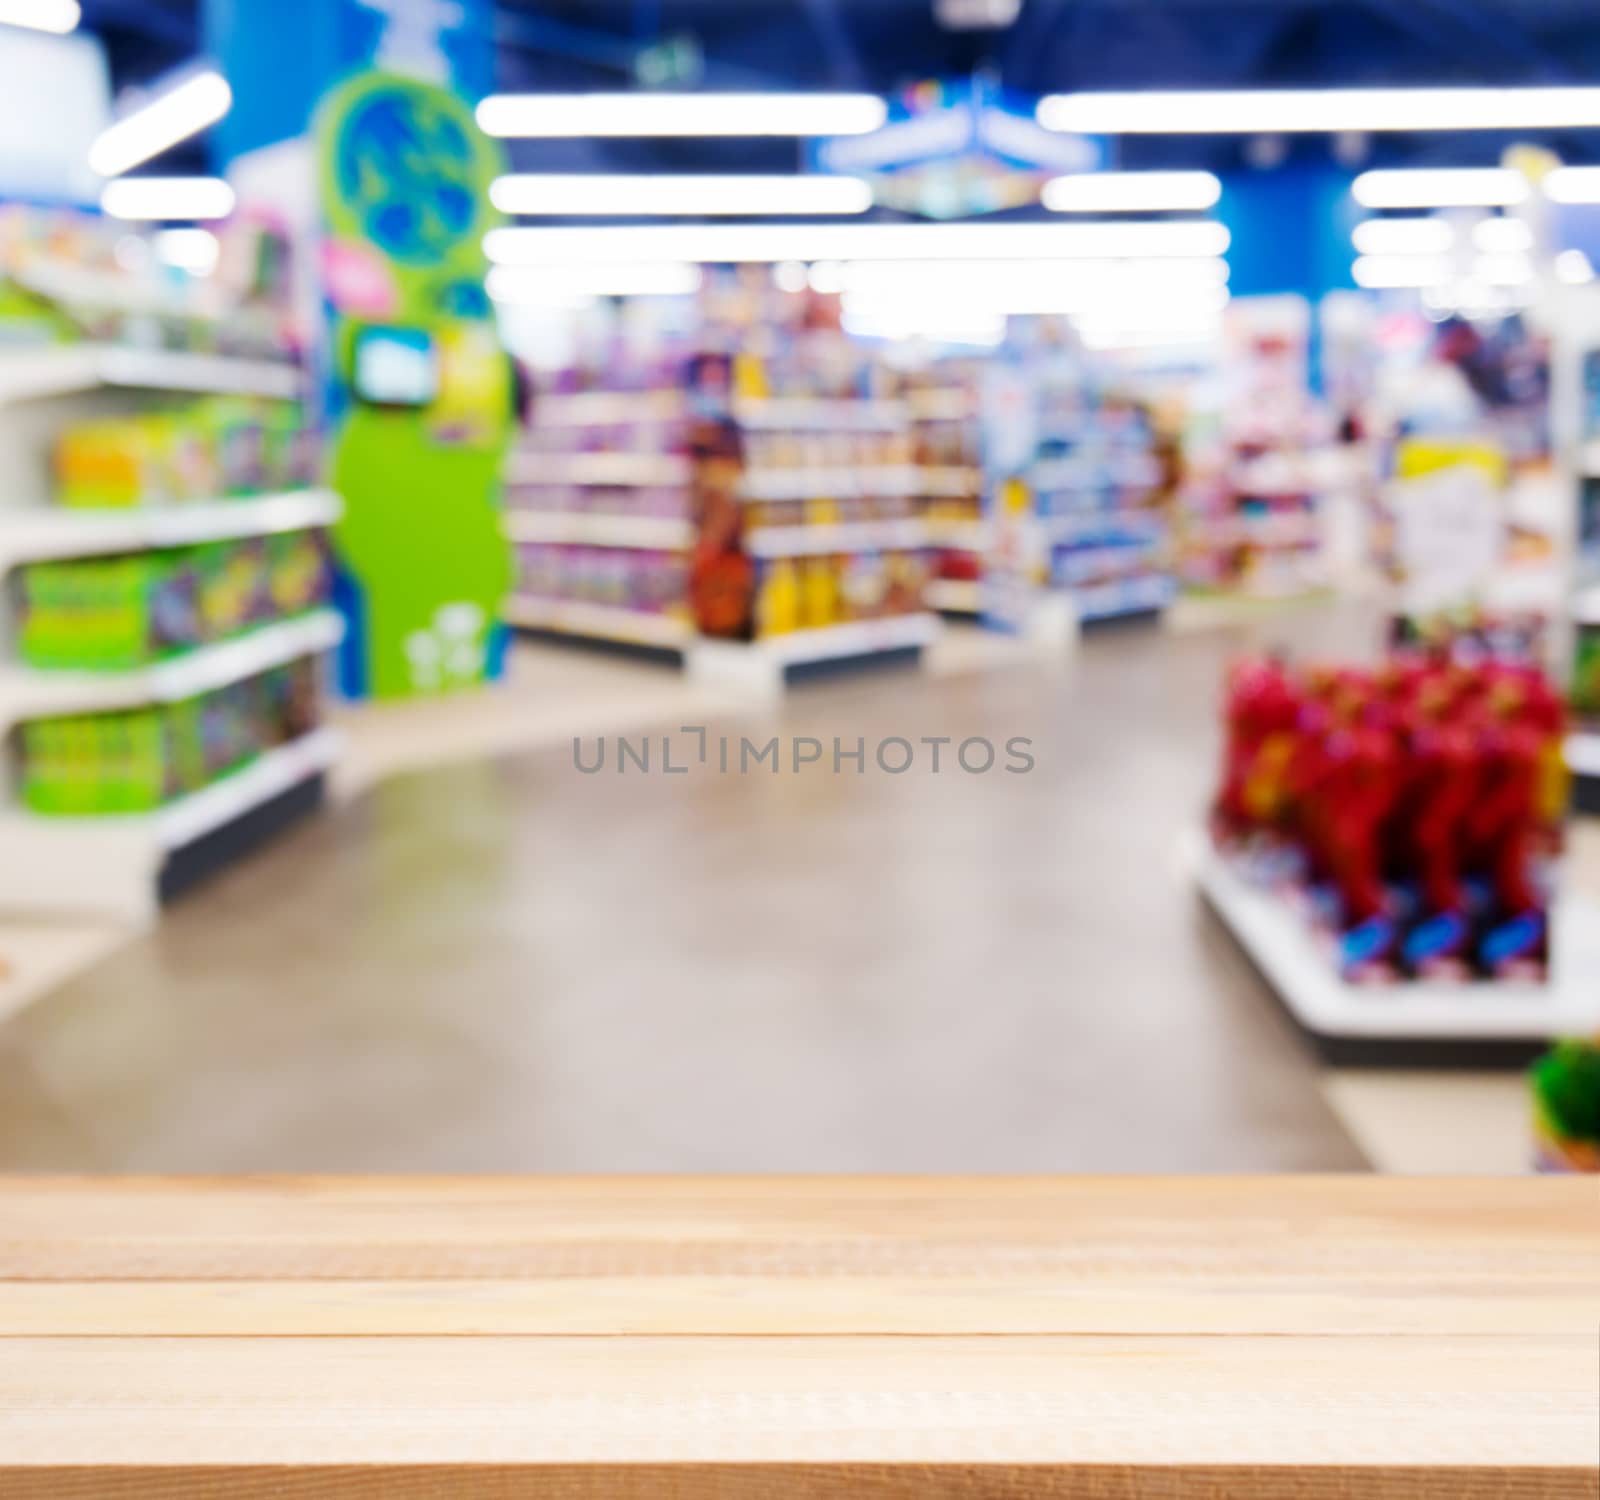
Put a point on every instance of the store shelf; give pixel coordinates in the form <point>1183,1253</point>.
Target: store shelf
<point>112,864</point>
<point>599,621</point>
<point>821,413</point>
<point>34,373</point>
<point>759,667</point>
<point>37,535</point>
<point>79,286</point>
<point>34,694</point>
<point>960,536</point>
<point>1285,950</point>
<point>1583,753</point>
<point>853,536</point>
<point>955,596</point>
<point>583,528</point>
<point>942,480</point>
<point>618,470</point>
<point>608,408</point>
<point>1589,460</point>
<point>1126,596</point>
<point>941,405</point>
<point>860,482</point>
<point>1135,527</point>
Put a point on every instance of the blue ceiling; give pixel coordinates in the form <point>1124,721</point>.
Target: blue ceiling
<point>1055,44</point>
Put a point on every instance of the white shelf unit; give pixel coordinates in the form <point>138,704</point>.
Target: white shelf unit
<point>38,372</point>
<point>758,666</point>
<point>845,536</point>
<point>590,528</point>
<point>29,693</point>
<point>110,866</point>
<point>859,482</point>
<point>113,865</point>
<point>598,470</point>
<point>833,414</point>
<point>599,621</point>
<point>39,534</point>
<point>1583,753</point>
<point>1286,952</point>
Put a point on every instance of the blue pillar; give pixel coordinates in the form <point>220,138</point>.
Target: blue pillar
<point>1291,233</point>
<point>282,56</point>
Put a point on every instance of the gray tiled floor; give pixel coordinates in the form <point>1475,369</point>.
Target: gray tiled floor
<point>510,966</point>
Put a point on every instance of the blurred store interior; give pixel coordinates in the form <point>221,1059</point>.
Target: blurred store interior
<point>783,585</point>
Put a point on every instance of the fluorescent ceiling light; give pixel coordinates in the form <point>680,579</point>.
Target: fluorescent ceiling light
<point>191,250</point>
<point>1382,271</point>
<point>1573,185</point>
<point>1573,268</point>
<point>527,116</point>
<point>1073,281</point>
<point>1440,187</point>
<point>58,16</point>
<point>1248,112</point>
<point>542,284</point>
<point>1403,237</point>
<point>1130,192</point>
<point>167,198</point>
<point>1502,236</point>
<point>570,193</point>
<point>175,116</point>
<point>729,243</point>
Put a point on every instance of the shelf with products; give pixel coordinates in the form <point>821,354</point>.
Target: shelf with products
<point>1257,458</point>
<point>812,546</point>
<point>1385,845</point>
<point>942,400</point>
<point>1097,486</point>
<point>165,583</point>
<point>597,505</point>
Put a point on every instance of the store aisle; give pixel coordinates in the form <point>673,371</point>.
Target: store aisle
<point>506,965</point>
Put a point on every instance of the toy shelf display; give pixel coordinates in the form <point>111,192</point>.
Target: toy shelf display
<point>1385,845</point>
<point>597,511</point>
<point>1098,493</point>
<point>165,580</point>
<point>1254,466</point>
<point>811,543</point>
<point>947,448</point>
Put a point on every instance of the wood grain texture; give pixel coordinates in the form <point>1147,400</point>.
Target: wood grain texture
<point>799,1337</point>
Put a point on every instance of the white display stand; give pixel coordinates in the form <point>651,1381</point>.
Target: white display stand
<point>760,667</point>
<point>1286,952</point>
<point>117,866</point>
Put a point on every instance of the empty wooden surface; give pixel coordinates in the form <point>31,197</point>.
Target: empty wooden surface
<point>776,1337</point>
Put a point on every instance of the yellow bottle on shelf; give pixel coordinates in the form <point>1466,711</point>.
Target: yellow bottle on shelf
<point>778,604</point>
<point>819,593</point>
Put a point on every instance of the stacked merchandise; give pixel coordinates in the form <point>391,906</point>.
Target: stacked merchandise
<point>805,481</point>
<point>1254,461</point>
<point>1410,813</point>
<point>1097,486</point>
<point>71,276</point>
<point>947,449</point>
<point>166,581</point>
<point>142,759</point>
<point>597,506</point>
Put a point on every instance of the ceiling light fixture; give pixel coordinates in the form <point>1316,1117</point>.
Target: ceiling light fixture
<point>1440,187</point>
<point>1277,111</point>
<point>571,193</point>
<point>167,198</point>
<point>716,244</point>
<point>1130,192</point>
<point>174,116</point>
<point>56,16</point>
<point>532,116</point>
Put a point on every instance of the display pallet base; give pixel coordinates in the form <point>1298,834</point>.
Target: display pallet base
<point>765,667</point>
<point>124,865</point>
<point>1412,1025</point>
<point>187,867</point>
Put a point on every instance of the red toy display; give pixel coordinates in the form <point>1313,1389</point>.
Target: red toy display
<point>1413,809</point>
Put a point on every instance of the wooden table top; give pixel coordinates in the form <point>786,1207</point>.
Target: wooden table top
<point>796,1337</point>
